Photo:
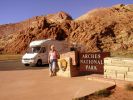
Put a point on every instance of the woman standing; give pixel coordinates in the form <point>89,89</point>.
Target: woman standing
<point>52,60</point>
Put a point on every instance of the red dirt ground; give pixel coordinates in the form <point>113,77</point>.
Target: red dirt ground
<point>118,93</point>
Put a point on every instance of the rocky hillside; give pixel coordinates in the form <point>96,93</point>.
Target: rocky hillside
<point>104,29</point>
<point>15,38</point>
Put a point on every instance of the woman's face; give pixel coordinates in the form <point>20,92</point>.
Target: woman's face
<point>52,48</point>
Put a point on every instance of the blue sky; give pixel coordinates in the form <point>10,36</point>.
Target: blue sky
<point>12,11</point>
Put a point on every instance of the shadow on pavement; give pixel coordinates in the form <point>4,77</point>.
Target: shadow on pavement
<point>17,65</point>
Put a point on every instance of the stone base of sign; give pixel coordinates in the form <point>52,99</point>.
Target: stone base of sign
<point>71,54</point>
<point>69,71</point>
<point>118,68</point>
<point>129,79</point>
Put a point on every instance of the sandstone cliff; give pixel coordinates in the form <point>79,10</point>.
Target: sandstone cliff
<point>103,29</point>
<point>15,38</point>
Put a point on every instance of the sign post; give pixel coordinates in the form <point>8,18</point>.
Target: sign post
<point>92,62</point>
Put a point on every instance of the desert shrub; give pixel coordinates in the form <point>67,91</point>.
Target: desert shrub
<point>82,98</point>
<point>103,93</point>
<point>129,87</point>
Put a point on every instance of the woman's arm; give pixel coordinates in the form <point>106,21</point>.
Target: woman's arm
<point>49,57</point>
<point>58,55</point>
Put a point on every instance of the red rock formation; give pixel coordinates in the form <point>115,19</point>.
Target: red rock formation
<point>104,29</point>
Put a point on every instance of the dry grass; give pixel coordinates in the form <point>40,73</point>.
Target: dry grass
<point>103,93</point>
<point>82,98</point>
<point>10,57</point>
<point>126,54</point>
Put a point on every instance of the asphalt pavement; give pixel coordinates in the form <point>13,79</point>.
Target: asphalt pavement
<point>17,65</point>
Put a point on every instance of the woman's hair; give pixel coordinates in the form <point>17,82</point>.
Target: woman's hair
<point>52,46</point>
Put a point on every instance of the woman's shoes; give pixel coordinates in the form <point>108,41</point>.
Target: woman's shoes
<point>52,74</point>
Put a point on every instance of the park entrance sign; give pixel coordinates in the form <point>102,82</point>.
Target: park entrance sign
<point>92,62</point>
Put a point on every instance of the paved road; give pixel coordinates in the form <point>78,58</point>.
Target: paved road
<point>17,65</point>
